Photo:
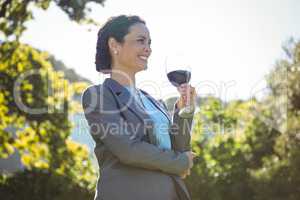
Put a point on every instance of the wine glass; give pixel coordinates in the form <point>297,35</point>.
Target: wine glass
<point>178,71</point>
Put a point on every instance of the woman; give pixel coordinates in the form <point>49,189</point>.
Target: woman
<point>137,158</point>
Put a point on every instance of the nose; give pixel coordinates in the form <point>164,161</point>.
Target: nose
<point>148,49</point>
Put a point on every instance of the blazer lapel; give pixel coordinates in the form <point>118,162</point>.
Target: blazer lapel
<point>157,105</point>
<point>164,112</point>
<point>127,101</point>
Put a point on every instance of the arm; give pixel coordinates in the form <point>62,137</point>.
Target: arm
<point>130,150</point>
<point>182,126</point>
<point>181,131</point>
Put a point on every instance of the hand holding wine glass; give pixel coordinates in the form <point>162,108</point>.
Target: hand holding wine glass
<point>179,74</point>
<point>187,97</point>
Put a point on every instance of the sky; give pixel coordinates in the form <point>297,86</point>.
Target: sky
<point>230,45</point>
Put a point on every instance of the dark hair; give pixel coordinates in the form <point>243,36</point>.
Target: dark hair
<point>116,27</point>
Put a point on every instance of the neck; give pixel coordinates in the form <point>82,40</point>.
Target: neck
<point>123,78</point>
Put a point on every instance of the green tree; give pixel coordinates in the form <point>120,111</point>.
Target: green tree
<point>279,173</point>
<point>14,13</point>
<point>255,154</point>
<point>220,171</point>
<point>35,104</point>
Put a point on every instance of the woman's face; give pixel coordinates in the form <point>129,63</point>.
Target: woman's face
<point>135,50</point>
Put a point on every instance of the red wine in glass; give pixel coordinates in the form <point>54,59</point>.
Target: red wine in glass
<point>178,77</point>
<point>179,72</point>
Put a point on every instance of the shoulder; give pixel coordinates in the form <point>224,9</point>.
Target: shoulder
<point>89,93</point>
<point>95,95</point>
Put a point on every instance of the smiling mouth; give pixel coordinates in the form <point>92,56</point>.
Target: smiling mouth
<point>144,58</point>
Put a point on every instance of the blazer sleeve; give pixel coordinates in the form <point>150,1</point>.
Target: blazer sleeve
<point>181,131</point>
<point>105,126</point>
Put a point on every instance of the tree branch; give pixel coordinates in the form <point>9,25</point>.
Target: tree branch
<point>3,8</point>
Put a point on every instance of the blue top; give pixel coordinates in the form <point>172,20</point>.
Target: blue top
<point>160,122</point>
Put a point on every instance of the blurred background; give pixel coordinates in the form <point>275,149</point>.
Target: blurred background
<point>245,63</point>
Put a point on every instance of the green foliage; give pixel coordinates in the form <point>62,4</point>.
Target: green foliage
<point>14,13</point>
<point>40,136</point>
<point>254,153</point>
<point>220,171</point>
<point>36,102</point>
<point>37,185</point>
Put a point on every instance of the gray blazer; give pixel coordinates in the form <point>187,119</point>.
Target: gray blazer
<point>131,166</point>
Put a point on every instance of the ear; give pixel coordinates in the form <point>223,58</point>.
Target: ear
<point>113,46</point>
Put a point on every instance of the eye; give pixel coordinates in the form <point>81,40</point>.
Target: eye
<point>141,41</point>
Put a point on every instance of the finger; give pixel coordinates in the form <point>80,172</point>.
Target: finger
<point>188,91</point>
<point>183,176</point>
<point>185,93</point>
<point>194,155</point>
<point>191,90</point>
